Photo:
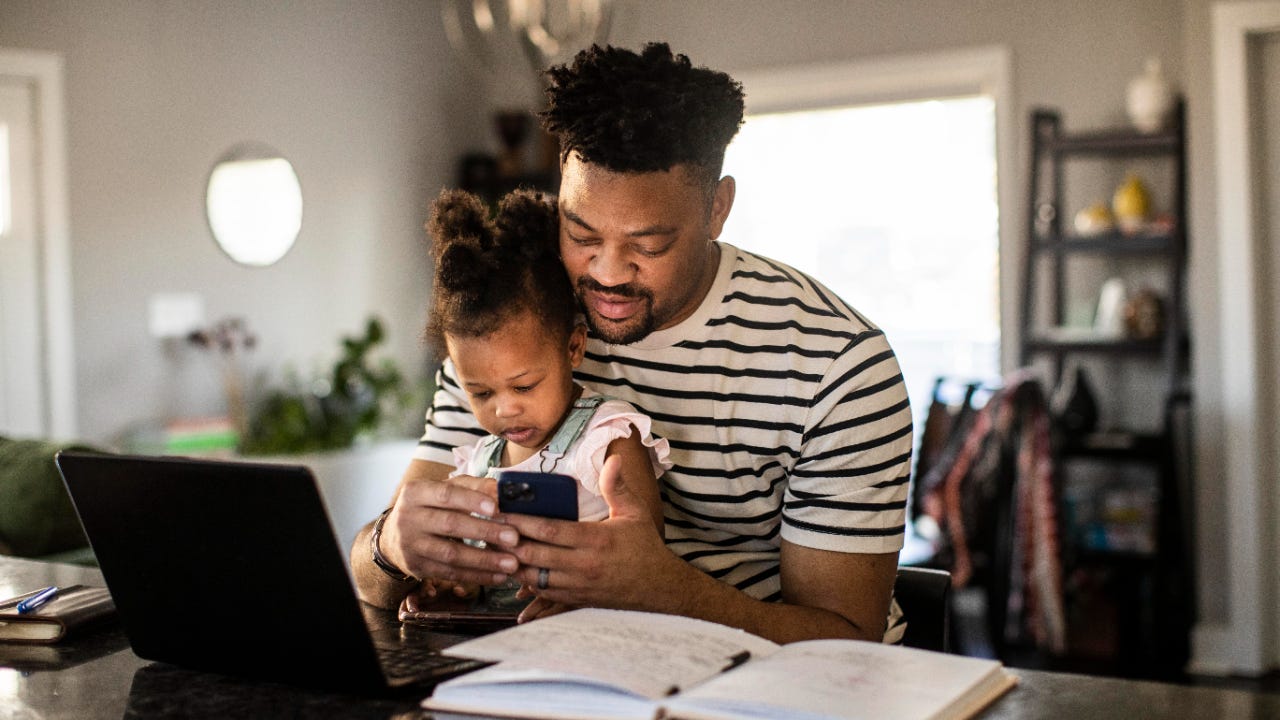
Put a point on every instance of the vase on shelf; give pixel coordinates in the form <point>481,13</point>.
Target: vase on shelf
<point>1149,98</point>
<point>1074,406</point>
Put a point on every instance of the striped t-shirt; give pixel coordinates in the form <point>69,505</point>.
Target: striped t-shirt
<point>787,418</point>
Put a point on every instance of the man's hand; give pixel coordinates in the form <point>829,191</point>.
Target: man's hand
<point>423,535</point>
<point>424,532</point>
<point>614,563</point>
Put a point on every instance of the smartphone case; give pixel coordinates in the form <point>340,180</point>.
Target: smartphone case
<point>549,495</point>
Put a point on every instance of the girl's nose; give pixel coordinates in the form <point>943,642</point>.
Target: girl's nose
<point>507,408</point>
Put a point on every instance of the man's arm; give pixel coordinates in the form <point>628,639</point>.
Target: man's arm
<point>622,563</point>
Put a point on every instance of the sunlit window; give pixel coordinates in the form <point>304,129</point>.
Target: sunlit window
<point>894,208</point>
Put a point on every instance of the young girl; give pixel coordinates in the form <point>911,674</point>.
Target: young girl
<point>504,312</point>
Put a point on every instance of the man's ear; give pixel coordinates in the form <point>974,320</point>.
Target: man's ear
<point>577,344</point>
<point>721,204</point>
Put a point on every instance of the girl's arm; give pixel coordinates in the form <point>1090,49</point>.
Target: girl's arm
<point>637,472</point>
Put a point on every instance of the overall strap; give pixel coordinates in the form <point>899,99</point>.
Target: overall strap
<point>571,429</point>
<point>490,453</point>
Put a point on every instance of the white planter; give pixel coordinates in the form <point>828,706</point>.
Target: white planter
<point>356,484</point>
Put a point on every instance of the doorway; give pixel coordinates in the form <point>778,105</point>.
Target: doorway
<point>1246,64</point>
<point>36,368</point>
<point>1265,91</point>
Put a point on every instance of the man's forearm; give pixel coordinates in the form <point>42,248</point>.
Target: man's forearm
<point>373,585</point>
<point>702,596</point>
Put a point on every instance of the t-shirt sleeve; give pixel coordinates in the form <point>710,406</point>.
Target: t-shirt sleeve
<point>450,423</point>
<point>612,420</point>
<point>848,490</point>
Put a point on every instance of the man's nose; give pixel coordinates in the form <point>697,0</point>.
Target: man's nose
<point>612,266</point>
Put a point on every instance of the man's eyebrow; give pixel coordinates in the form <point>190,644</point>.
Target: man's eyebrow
<point>576,218</point>
<point>642,232</point>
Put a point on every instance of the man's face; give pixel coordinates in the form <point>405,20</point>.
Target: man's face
<point>638,246</point>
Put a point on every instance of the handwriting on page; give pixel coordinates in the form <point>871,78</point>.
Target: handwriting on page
<point>650,655</point>
<point>880,681</point>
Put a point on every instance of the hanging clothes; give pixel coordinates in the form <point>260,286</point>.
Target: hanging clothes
<point>993,493</point>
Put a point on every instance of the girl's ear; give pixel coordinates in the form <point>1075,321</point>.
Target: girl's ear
<point>577,344</point>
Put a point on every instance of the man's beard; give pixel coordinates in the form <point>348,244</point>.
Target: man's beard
<point>623,332</point>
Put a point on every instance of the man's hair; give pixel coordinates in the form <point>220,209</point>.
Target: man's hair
<point>488,271</point>
<point>644,112</point>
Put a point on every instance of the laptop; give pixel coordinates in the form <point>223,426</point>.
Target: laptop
<point>233,568</point>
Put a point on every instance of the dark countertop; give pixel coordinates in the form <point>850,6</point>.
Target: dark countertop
<point>97,676</point>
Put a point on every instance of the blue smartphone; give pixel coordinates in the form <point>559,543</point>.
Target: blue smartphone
<point>548,495</point>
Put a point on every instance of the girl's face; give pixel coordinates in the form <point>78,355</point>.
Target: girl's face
<point>519,379</point>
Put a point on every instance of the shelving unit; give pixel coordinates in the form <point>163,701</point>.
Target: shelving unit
<point>1138,600</point>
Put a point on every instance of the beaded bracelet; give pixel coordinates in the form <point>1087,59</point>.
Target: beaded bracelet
<point>381,560</point>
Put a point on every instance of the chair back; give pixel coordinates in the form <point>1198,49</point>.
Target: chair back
<point>924,594</point>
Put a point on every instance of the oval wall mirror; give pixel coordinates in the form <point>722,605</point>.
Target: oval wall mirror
<point>254,204</point>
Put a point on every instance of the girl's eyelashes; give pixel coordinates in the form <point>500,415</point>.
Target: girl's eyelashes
<point>482,394</point>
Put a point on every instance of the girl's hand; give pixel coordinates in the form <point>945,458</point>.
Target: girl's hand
<point>540,607</point>
<point>433,589</point>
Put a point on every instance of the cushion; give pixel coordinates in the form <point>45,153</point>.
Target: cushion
<point>36,515</point>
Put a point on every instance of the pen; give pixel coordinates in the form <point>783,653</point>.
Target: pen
<point>37,600</point>
<point>737,660</point>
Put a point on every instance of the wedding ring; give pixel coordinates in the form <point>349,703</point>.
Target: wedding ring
<point>543,576</point>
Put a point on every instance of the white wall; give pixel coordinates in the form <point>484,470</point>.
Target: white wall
<point>364,99</point>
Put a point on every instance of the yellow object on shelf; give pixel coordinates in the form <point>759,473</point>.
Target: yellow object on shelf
<point>1094,220</point>
<point>1131,204</point>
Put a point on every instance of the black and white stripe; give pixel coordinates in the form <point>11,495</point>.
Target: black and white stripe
<point>787,418</point>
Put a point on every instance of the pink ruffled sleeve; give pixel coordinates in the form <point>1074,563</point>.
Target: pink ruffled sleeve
<point>615,419</point>
<point>462,459</point>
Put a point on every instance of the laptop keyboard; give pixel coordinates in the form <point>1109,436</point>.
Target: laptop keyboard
<point>404,661</point>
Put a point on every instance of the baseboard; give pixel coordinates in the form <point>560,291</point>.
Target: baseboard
<point>1214,652</point>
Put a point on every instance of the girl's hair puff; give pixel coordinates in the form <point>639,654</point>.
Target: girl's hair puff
<point>490,270</point>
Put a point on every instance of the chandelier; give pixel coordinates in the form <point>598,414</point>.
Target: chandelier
<point>487,32</point>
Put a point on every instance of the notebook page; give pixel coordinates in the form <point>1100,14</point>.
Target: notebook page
<point>648,654</point>
<point>848,679</point>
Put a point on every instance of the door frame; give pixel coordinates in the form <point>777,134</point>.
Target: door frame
<point>43,72</point>
<point>1247,641</point>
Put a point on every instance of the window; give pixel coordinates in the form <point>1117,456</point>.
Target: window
<point>894,207</point>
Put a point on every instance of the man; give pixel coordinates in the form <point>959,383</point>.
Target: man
<point>785,409</point>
